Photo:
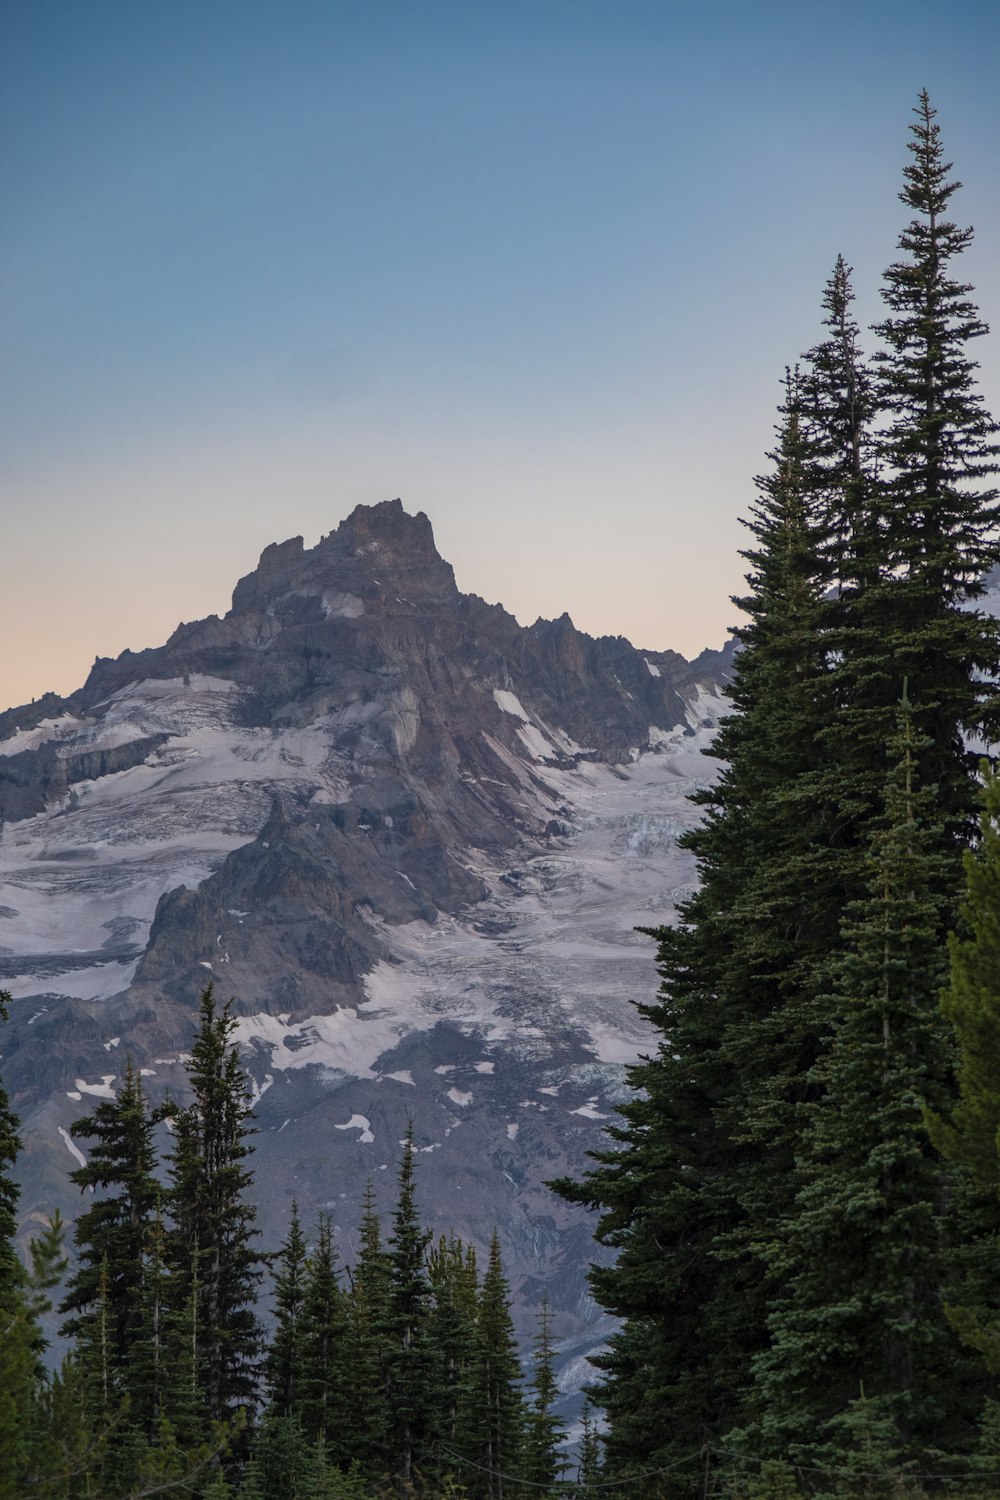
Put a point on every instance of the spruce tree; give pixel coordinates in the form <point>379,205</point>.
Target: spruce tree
<point>937,515</point>
<point>542,1463</point>
<point>408,1354</point>
<point>706,1155</point>
<point>326,1375</point>
<point>283,1365</point>
<point>864,1252</point>
<point>215,1264</point>
<point>498,1400</point>
<point>111,1235</point>
<point>10,1146</point>
<point>368,1415</point>
<point>454,1280</point>
<point>969,1135</point>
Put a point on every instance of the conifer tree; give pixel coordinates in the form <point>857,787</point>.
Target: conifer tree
<point>367,1396</point>
<point>706,1158</point>
<point>938,512</point>
<point>111,1235</point>
<point>10,1146</point>
<point>454,1280</point>
<point>865,1252</point>
<point>498,1399</point>
<point>216,1267</point>
<point>969,1136</point>
<point>408,1355</point>
<point>283,1365</point>
<point>327,1374</point>
<point>542,1463</point>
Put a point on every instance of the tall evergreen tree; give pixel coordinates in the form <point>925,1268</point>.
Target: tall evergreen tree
<point>111,1235</point>
<point>864,1251</point>
<point>454,1280</point>
<point>10,1146</point>
<point>326,1372</point>
<point>367,1406</point>
<point>498,1398</point>
<point>857,583</point>
<point>213,1220</point>
<point>938,514</point>
<point>706,1158</point>
<point>283,1366</point>
<point>542,1463</point>
<point>408,1346</point>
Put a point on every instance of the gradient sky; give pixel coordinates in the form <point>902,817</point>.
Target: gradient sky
<point>535,267</point>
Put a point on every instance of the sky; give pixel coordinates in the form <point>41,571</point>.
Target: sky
<point>535,267</point>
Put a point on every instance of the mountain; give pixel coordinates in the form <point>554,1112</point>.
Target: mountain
<point>409,836</point>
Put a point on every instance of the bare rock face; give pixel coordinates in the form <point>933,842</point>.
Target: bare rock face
<point>409,836</point>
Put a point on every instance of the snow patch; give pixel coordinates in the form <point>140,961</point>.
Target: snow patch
<point>512,1132</point>
<point>652,668</point>
<point>402,1076</point>
<point>359,1122</point>
<point>102,1090</point>
<point>485,1067</point>
<point>458,1096</point>
<point>72,1147</point>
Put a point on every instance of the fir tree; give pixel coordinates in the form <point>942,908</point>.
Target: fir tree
<point>937,516</point>
<point>111,1235</point>
<point>10,1146</point>
<point>864,1250</point>
<point>454,1280</point>
<point>367,1397</point>
<point>326,1373</point>
<point>214,1222</point>
<point>408,1351</point>
<point>542,1463</point>
<point>498,1399</point>
<point>707,1154</point>
<point>969,1136</point>
<point>283,1366</point>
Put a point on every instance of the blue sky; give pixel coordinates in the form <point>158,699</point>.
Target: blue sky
<point>534,267</point>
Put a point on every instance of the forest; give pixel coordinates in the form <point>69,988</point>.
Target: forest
<point>803,1190</point>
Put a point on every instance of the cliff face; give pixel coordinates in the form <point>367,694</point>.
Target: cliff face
<point>411,838</point>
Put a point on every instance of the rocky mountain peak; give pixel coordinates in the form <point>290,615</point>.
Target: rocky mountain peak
<point>410,836</point>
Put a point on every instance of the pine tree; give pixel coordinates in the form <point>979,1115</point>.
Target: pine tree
<point>214,1223</point>
<point>937,517</point>
<point>969,1137</point>
<point>498,1400</point>
<point>326,1372</point>
<point>864,1252</point>
<point>706,1158</point>
<point>111,1235</point>
<point>408,1351</point>
<point>454,1281</point>
<point>283,1366</point>
<point>542,1463</point>
<point>10,1146</point>
<point>368,1414</point>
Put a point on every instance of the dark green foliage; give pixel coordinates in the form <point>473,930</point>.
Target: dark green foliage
<point>283,1367</point>
<point>496,1380</point>
<point>328,1384</point>
<point>776,1203</point>
<point>542,1463</point>
<point>10,1146</point>
<point>454,1280</point>
<point>217,1268</point>
<point>111,1236</point>
<point>407,1347</point>
<point>863,1254</point>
